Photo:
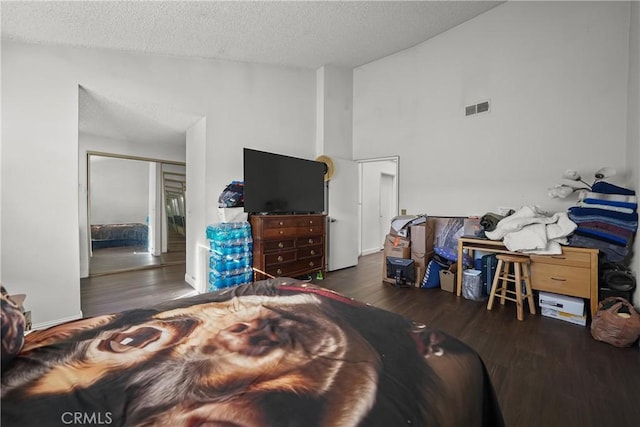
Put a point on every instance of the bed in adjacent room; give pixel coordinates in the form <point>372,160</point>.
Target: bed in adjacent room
<point>272,353</point>
<point>118,235</point>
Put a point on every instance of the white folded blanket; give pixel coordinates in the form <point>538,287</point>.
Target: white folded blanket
<point>533,230</point>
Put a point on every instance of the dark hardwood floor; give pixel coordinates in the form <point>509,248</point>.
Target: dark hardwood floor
<point>546,372</point>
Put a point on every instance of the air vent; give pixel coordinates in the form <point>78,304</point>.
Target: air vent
<point>483,107</point>
<point>469,110</point>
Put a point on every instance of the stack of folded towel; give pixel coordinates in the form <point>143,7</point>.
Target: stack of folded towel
<point>607,219</point>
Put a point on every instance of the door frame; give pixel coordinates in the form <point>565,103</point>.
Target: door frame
<point>88,155</point>
<point>396,160</point>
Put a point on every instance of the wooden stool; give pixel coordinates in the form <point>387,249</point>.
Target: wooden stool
<point>520,274</point>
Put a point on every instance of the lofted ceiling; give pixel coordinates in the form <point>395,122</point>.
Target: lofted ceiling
<point>308,34</point>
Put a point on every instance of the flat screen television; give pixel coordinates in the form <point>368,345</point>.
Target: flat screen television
<point>401,269</point>
<point>275,183</point>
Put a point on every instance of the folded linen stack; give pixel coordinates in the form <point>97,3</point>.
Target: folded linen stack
<point>607,219</point>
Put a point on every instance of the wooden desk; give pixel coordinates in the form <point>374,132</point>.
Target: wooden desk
<point>574,272</point>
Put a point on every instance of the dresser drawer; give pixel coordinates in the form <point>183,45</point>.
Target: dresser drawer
<point>276,245</point>
<point>278,222</point>
<point>571,259</point>
<point>309,251</point>
<point>309,221</point>
<point>295,268</point>
<point>312,230</point>
<point>560,279</point>
<point>308,241</point>
<point>275,233</point>
<point>280,257</point>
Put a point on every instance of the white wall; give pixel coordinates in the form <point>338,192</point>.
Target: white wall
<point>263,107</point>
<point>633,125</point>
<point>119,190</point>
<point>556,75</point>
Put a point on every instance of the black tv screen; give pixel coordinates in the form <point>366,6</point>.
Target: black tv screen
<point>275,183</point>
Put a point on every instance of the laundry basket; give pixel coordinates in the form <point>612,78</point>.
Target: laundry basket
<point>472,285</point>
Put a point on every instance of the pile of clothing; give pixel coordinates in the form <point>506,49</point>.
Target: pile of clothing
<point>532,230</point>
<point>607,220</point>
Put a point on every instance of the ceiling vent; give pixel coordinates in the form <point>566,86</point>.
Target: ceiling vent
<point>481,107</point>
<point>469,110</point>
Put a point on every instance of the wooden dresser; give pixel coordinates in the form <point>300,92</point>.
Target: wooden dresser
<point>288,245</point>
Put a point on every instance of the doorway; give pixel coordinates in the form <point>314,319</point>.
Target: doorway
<point>379,193</point>
<point>135,215</point>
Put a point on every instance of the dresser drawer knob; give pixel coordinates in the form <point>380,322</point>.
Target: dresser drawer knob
<point>311,241</point>
<point>280,258</point>
<point>281,223</point>
<point>279,271</point>
<point>312,252</point>
<point>558,279</point>
<point>310,221</point>
<point>311,230</point>
<point>311,264</point>
<point>281,231</point>
<point>280,245</point>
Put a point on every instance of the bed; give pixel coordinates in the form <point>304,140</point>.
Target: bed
<point>118,235</point>
<point>272,353</point>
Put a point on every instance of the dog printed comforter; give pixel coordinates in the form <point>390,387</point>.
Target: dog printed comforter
<point>274,353</point>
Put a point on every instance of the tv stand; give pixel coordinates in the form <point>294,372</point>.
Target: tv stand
<point>288,245</point>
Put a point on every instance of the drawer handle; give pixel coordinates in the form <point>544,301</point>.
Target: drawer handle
<point>279,271</point>
<point>280,245</point>
<point>557,257</point>
<point>310,263</point>
<point>281,223</point>
<point>281,231</point>
<point>558,279</point>
<point>310,241</point>
<point>310,221</point>
<point>311,230</point>
<point>312,252</point>
<point>279,258</point>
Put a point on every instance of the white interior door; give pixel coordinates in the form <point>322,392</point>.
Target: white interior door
<point>342,247</point>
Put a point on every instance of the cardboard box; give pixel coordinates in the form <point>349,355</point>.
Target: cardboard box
<point>423,236</point>
<point>561,303</point>
<point>567,317</point>
<point>395,246</point>
<point>232,214</point>
<point>447,280</point>
<point>400,225</point>
<point>419,275</point>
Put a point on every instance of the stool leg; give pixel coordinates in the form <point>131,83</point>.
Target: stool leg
<point>494,285</point>
<point>519,307</point>
<point>527,283</point>
<point>504,276</point>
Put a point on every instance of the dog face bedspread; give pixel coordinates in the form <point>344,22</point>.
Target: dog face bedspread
<point>274,353</point>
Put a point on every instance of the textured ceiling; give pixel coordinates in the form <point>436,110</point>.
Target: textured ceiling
<point>306,34</point>
<point>295,33</point>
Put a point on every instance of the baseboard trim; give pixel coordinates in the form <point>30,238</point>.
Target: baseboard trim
<point>371,251</point>
<point>193,283</point>
<point>51,323</point>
